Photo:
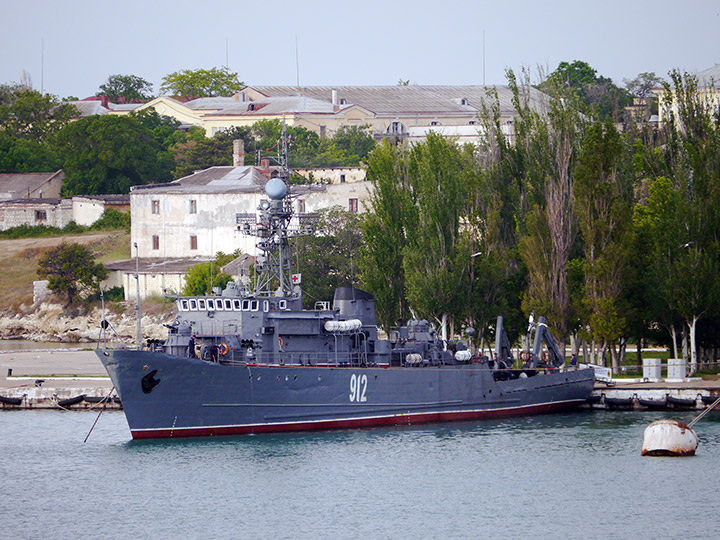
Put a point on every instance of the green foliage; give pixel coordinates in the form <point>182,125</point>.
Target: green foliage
<point>601,98</point>
<point>19,155</point>
<point>29,123</point>
<point>641,85</point>
<point>33,116</point>
<point>109,154</point>
<point>71,270</point>
<point>163,129</point>
<point>203,277</point>
<point>112,219</point>
<point>126,89</point>
<point>114,294</point>
<point>435,260</point>
<point>604,214</point>
<point>328,259</point>
<point>213,82</point>
<point>202,153</point>
<point>386,228</point>
<point>348,147</point>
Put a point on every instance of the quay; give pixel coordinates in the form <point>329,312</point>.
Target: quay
<point>687,394</point>
<point>56,378</point>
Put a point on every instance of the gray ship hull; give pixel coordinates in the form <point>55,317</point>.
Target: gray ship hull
<point>172,396</point>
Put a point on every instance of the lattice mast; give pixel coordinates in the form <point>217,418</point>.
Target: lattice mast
<point>273,268</point>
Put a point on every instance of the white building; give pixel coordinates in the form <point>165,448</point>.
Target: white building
<point>199,215</point>
<point>181,223</point>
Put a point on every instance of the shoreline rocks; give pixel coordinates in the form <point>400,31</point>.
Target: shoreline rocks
<point>51,322</point>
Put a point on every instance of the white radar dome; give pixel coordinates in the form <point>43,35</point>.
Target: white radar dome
<point>276,189</point>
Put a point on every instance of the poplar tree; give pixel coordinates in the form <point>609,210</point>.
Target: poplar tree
<point>603,210</point>
<point>386,228</point>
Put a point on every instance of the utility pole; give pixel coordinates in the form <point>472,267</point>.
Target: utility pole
<point>138,315</point>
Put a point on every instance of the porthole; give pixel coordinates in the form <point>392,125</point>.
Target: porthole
<point>259,377</point>
<point>319,378</point>
<point>287,377</point>
<point>295,378</point>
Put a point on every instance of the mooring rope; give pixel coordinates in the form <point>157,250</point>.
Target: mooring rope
<point>711,407</point>
<point>105,402</point>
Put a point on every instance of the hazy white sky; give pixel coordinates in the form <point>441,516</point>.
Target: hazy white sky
<point>70,48</point>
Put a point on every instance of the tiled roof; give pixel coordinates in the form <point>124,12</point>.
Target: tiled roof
<point>156,265</point>
<point>276,105</point>
<point>709,76</point>
<point>227,179</point>
<point>22,182</point>
<point>411,99</point>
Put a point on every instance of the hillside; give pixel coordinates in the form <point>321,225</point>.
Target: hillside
<point>50,320</point>
<point>18,266</point>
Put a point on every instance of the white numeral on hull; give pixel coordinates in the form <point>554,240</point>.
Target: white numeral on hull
<point>358,387</point>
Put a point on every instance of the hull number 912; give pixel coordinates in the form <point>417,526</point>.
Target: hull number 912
<point>358,387</point>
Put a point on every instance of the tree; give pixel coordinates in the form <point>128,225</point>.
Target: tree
<point>549,142</point>
<point>109,154</point>
<point>29,115</point>
<point>603,206</point>
<point>126,89</point>
<point>29,123</point>
<point>599,95</point>
<point>201,278</point>
<point>200,152</point>
<point>642,85</point>
<point>164,129</point>
<point>71,270</point>
<point>435,257</point>
<point>386,229</point>
<point>328,259</point>
<point>213,82</point>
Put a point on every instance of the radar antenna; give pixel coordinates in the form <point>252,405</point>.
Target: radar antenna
<point>273,266</point>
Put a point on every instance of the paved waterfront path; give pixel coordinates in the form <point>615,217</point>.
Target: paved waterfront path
<point>58,368</point>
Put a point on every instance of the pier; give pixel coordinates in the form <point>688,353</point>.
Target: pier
<point>55,379</point>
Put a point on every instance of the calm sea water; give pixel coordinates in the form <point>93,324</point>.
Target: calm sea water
<point>547,477</point>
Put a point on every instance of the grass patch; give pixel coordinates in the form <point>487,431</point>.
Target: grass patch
<point>18,267</point>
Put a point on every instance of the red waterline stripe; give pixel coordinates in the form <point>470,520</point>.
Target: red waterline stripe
<point>398,419</point>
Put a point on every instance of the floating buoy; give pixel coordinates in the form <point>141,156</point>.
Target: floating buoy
<point>672,438</point>
<point>668,437</point>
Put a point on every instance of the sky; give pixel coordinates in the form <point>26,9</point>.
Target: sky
<point>70,48</point>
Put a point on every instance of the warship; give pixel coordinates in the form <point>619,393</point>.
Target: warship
<point>252,360</point>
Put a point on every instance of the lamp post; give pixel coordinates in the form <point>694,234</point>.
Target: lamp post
<point>138,315</point>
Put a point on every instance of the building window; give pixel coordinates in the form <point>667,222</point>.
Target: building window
<point>343,101</point>
<point>156,241</point>
<point>353,205</point>
<point>193,242</point>
<point>464,101</point>
<point>322,132</point>
<point>193,206</point>
<point>156,207</point>
<point>342,178</point>
<point>301,206</point>
<point>40,215</point>
<point>396,128</point>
